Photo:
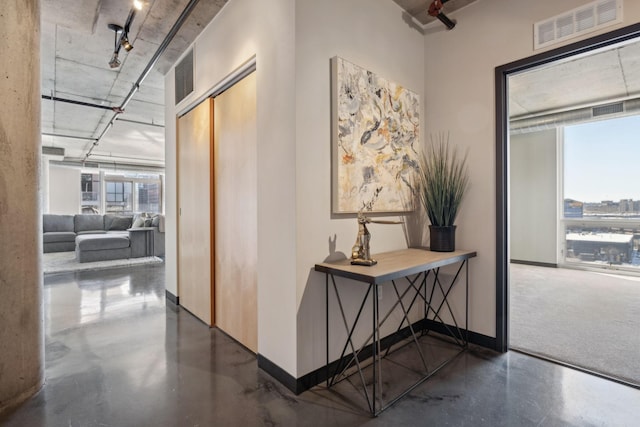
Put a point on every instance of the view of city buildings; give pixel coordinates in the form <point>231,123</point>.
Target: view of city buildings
<point>610,234</point>
<point>626,208</point>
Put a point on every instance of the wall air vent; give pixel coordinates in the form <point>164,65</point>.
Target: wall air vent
<point>52,151</point>
<point>582,20</point>
<point>184,77</point>
<point>603,110</point>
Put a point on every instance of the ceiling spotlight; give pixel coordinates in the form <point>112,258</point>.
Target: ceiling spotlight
<point>122,34</point>
<point>125,43</point>
<point>115,62</point>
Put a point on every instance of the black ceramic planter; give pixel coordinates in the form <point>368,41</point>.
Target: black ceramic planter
<point>442,239</point>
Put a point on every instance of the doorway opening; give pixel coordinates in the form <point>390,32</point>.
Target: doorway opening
<point>548,213</point>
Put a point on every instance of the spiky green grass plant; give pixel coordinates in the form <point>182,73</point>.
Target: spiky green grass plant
<point>443,180</point>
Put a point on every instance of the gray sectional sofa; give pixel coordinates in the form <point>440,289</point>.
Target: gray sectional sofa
<point>103,237</point>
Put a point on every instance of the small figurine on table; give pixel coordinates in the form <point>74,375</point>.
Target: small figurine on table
<point>361,251</point>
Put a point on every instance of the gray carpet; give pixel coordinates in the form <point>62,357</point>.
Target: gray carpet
<point>591,320</point>
<point>64,262</point>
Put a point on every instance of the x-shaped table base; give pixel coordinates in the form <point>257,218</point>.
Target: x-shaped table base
<point>424,287</point>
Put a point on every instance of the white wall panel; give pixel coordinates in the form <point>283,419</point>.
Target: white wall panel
<point>64,190</point>
<point>534,197</point>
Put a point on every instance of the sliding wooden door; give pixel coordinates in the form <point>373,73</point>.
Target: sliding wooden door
<point>236,212</point>
<point>195,219</point>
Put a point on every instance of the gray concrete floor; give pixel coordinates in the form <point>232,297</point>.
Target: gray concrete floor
<point>118,354</point>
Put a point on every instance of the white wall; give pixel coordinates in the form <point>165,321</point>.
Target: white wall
<point>293,41</point>
<point>294,146</point>
<point>375,36</point>
<point>459,87</point>
<point>242,30</point>
<point>533,196</point>
<point>64,190</point>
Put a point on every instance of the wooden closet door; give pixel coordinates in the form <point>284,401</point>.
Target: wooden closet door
<point>235,173</point>
<point>195,213</point>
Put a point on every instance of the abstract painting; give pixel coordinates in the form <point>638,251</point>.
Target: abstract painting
<point>376,132</point>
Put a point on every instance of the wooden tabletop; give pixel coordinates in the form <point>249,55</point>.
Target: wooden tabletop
<point>394,265</point>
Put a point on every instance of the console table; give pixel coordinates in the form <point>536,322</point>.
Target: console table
<point>415,266</point>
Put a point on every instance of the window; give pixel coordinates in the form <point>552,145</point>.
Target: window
<point>90,191</point>
<point>124,193</point>
<point>118,197</point>
<point>601,214</point>
<point>148,198</point>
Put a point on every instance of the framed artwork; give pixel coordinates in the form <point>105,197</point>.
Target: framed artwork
<point>375,137</point>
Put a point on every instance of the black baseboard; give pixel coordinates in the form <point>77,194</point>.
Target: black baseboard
<point>278,373</point>
<point>534,263</point>
<point>171,297</point>
<point>474,337</point>
<point>320,375</point>
<point>314,378</point>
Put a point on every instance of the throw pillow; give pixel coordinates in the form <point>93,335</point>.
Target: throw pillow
<point>120,223</point>
<point>139,222</point>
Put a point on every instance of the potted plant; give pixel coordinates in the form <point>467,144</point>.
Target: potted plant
<point>442,181</point>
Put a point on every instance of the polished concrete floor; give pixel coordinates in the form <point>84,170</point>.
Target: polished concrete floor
<point>118,354</point>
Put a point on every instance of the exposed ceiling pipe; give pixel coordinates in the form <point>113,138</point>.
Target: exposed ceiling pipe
<point>104,165</point>
<point>579,115</point>
<point>81,103</point>
<point>120,119</point>
<point>163,46</point>
<point>435,10</point>
<point>69,136</point>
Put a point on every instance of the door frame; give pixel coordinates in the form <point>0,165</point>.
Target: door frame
<point>502,160</point>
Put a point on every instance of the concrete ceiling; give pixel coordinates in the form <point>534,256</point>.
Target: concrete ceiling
<point>77,46</point>
<point>604,76</point>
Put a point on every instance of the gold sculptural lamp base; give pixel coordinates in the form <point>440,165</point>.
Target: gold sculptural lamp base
<point>361,251</point>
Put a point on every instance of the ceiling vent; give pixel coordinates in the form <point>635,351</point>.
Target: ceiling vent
<point>91,165</point>
<point>52,151</point>
<point>582,20</point>
<point>603,110</point>
<point>184,77</point>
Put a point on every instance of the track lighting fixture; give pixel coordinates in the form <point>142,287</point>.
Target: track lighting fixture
<point>115,62</point>
<point>122,34</point>
<point>124,42</point>
<point>117,30</point>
